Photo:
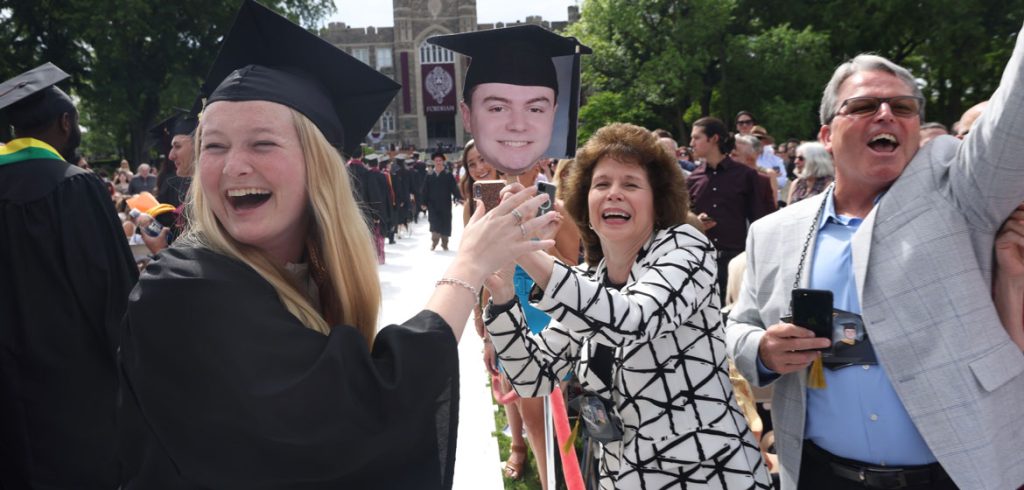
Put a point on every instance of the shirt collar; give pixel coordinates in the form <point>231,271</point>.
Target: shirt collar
<point>830,210</point>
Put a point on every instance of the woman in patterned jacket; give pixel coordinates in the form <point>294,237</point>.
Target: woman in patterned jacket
<point>639,323</point>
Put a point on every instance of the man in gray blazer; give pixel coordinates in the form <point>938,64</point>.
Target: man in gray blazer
<point>905,240</point>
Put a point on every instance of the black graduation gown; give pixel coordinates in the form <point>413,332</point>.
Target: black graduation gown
<point>173,190</point>
<point>401,181</point>
<point>357,178</point>
<point>65,275</point>
<point>438,192</point>
<point>230,391</point>
<point>378,198</point>
<point>419,176</point>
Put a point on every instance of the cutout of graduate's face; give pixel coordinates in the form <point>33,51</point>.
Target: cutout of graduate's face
<point>253,176</point>
<point>511,124</point>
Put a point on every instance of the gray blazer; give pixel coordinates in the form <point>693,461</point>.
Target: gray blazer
<point>923,265</point>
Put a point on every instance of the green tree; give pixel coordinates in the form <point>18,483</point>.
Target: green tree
<point>778,75</point>
<point>131,61</point>
<point>661,55</point>
<point>683,59</point>
<point>958,48</point>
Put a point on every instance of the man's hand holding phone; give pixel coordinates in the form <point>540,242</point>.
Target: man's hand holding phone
<point>787,348</point>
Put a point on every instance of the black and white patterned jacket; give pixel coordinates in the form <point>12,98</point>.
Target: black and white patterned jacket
<point>670,380</point>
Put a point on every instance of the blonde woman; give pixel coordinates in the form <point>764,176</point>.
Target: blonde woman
<point>269,372</point>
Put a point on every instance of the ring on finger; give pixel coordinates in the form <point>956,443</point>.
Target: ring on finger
<point>518,216</point>
<point>522,229</point>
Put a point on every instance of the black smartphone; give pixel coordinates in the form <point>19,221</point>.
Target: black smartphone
<point>549,189</point>
<point>488,191</point>
<point>812,309</point>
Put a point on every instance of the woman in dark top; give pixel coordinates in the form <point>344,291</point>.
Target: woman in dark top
<point>269,372</point>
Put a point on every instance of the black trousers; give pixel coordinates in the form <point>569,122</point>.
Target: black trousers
<point>817,472</point>
<point>724,256</point>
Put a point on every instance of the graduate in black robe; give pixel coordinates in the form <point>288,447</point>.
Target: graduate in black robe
<point>65,274</point>
<point>401,181</point>
<point>233,391</point>
<point>439,190</point>
<point>269,372</point>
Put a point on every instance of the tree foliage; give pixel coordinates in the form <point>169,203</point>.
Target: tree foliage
<point>131,61</point>
<point>678,60</point>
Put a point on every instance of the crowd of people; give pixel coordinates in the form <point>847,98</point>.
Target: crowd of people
<point>663,287</point>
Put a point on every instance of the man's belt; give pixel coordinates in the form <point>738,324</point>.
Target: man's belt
<point>884,477</point>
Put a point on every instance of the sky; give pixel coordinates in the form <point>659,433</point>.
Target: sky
<point>377,13</point>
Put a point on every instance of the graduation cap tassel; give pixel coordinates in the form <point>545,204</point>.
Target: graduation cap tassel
<point>816,378</point>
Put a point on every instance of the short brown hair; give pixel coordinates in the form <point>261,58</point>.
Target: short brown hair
<point>629,144</point>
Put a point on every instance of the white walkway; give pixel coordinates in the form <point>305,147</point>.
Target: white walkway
<point>407,280</point>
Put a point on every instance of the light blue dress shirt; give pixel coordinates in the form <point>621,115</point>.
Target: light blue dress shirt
<point>858,416</point>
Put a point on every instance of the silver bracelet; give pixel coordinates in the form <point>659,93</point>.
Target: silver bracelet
<point>451,281</point>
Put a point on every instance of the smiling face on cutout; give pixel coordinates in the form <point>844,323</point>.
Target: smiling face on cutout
<point>511,124</point>
<point>253,176</point>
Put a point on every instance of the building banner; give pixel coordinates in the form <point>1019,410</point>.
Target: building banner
<point>439,99</point>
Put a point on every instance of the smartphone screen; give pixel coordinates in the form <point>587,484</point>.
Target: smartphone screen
<point>488,191</point>
<point>812,309</point>
<point>549,189</point>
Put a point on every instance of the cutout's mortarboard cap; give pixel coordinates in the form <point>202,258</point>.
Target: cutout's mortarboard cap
<point>518,55</point>
<point>268,57</point>
<point>32,98</point>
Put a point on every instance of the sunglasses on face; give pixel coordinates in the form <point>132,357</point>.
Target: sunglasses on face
<point>799,158</point>
<point>745,122</point>
<point>900,106</point>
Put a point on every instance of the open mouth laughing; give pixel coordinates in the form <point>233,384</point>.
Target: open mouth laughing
<point>247,198</point>
<point>615,216</point>
<point>884,143</point>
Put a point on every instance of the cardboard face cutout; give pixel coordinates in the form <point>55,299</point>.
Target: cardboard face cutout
<point>521,93</point>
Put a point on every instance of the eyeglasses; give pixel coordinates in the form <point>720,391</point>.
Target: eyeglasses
<point>744,122</point>
<point>900,106</point>
<point>799,158</point>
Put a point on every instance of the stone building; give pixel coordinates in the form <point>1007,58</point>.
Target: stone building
<point>424,114</point>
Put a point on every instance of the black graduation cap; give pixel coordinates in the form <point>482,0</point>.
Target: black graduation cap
<point>268,57</point>
<point>519,55</point>
<point>181,122</point>
<point>32,98</point>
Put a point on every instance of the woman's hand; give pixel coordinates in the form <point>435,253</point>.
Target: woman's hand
<point>551,230</point>
<point>490,358</point>
<point>1010,247</point>
<point>494,239</point>
<point>1008,284</point>
<point>500,284</point>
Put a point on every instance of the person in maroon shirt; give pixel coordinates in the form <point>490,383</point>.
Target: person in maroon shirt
<point>726,195</point>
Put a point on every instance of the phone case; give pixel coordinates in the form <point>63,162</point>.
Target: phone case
<point>812,309</point>
<point>549,189</point>
<point>488,191</point>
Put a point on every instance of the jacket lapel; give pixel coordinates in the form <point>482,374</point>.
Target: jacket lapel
<point>861,250</point>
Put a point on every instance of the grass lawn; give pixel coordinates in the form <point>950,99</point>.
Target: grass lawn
<point>529,479</point>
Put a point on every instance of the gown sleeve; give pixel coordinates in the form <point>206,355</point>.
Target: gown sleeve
<point>228,390</point>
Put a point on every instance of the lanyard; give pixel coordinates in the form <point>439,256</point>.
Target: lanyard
<point>810,235</point>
